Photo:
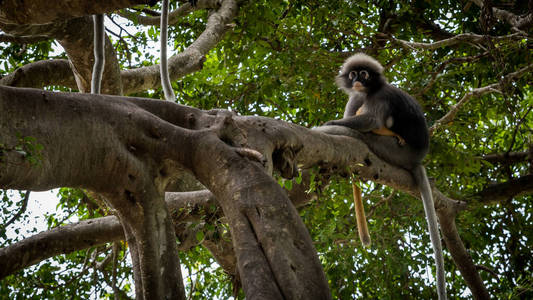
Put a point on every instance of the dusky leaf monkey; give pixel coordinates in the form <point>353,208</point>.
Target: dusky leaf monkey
<point>99,55</point>
<point>379,110</point>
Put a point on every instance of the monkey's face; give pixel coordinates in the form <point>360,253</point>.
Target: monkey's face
<point>359,79</point>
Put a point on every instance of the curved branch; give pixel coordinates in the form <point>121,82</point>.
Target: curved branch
<point>174,16</point>
<point>506,158</point>
<point>59,240</point>
<point>184,207</point>
<point>460,38</point>
<point>509,17</point>
<point>7,38</point>
<point>43,11</point>
<point>460,255</point>
<point>40,74</point>
<point>504,191</point>
<point>190,60</point>
<point>492,88</point>
<point>78,44</point>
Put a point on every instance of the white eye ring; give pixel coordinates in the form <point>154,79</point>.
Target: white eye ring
<point>352,75</point>
<point>364,74</point>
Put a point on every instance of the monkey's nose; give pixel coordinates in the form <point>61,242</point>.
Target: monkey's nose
<point>358,86</point>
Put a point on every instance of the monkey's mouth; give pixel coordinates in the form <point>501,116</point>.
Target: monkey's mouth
<point>358,86</point>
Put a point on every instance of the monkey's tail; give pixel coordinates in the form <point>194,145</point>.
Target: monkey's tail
<point>360,216</point>
<point>419,173</point>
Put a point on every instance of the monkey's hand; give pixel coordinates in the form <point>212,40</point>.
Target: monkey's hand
<point>332,122</point>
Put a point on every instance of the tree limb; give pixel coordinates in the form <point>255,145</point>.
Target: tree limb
<point>500,192</point>
<point>40,74</point>
<point>43,11</point>
<point>460,38</point>
<point>174,16</point>
<point>477,92</point>
<point>190,60</point>
<point>506,158</point>
<point>21,210</point>
<point>520,22</point>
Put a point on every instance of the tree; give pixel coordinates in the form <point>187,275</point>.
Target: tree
<point>221,172</point>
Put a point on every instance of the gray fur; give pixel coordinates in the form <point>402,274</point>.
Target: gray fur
<point>362,60</point>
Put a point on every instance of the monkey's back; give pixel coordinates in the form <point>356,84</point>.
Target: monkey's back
<point>409,121</point>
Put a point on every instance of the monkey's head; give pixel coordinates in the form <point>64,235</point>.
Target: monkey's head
<point>360,73</point>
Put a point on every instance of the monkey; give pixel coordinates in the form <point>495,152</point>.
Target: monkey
<point>99,55</point>
<point>374,105</point>
<point>163,66</point>
<point>354,106</point>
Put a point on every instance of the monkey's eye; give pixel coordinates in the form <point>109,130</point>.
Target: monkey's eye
<point>352,75</point>
<point>364,74</point>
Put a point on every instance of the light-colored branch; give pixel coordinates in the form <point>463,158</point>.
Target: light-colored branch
<point>461,38</point>
<point>477,92</point>
<point>40,74</point>
<point>190,60</point>
<point>174,16</point>
<point>45,11</point>
<point>509,17</point>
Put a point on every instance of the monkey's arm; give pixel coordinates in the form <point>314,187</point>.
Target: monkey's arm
<point>363,122</point>
<point>354,104</point>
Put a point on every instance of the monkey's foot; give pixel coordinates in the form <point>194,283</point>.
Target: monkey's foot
<point>401,141</point>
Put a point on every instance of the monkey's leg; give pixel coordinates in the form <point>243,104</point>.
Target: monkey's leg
<point>387,132</point>
<point>388,149</point>
<point>360,217</point>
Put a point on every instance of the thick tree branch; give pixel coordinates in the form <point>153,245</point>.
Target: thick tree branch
<point>78,43</point>
<point>57,241</point>
<point>174,16</point>
<point>76,37</point>
<point>245,210</point>
<point>506,158</point>
<point>500,192</point>
<point>184,207</point>
<point>41,74</point>
<point>6,38</point>
<point>520,22</point>
<point>460,254</point>
<point>190,60</point>
<point>43,11</point>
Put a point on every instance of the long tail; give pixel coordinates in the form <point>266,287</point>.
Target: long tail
<point>99,53</point>
<point>360,216</point>
<point>163,64</point>
<point>421,178</point>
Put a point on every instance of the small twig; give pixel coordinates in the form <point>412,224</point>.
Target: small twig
<point>492,88</point>
<point>491,271</point>
<point>441,68</point>
<point>515,132</point>
<point>21,211</point>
